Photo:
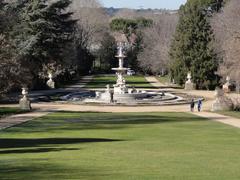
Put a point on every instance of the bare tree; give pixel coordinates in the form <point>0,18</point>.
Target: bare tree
<point>227,29</point>
<point>156,43</point>
<point>93,21</point>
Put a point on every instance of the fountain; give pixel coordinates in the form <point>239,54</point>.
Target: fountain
<point>122,93</point>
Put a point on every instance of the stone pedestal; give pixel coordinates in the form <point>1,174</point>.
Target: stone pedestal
<point>25,103</point>
<point>189,86</point>
<point>222,102</point>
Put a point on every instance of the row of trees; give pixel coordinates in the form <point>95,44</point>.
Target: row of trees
<point>42,36</point>
<point>227,30</point>
<point>65,37</point>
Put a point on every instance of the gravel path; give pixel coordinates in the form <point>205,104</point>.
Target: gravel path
<point>14,120</point>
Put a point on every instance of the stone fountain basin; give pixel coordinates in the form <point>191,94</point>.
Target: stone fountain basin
<point>135,98</point>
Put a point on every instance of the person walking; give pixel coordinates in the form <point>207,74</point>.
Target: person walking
<point>192,104</point>
<point>199,105</point>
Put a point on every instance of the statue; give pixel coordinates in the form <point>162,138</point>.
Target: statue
<point>50,82</point>
<point>189,85</point>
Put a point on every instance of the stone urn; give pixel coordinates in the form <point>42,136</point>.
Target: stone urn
<point>24,102</point>
<point>222,102</point>
<point>50,82</point>
<point>189,85</point>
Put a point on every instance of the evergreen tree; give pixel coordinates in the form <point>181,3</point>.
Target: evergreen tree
<point>192,50</point>
<point>43,33</point>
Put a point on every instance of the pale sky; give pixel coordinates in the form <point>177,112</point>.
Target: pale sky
<point>136,4</point>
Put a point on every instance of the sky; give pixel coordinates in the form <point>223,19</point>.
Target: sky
<point>136,4</point>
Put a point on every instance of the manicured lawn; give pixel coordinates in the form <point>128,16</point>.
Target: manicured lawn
<point>4,111</point>
<point>120,146</point>
<point>102,81</point>
<point>235,114</point>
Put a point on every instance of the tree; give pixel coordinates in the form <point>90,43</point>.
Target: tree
<point>129,26</point>
<point>43,33</point>
<point>132,30</point>
<point>91,27</point>
<point>227,29</point>
<point>192,49</point>
<point>11,72</point>
<point>154,57</point>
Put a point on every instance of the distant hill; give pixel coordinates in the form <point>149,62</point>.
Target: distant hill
<point>114,11</point>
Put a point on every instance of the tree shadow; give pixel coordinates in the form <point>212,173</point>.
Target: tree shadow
<point>36,150</point>
<point>23,143</point>
<point>75,121</point>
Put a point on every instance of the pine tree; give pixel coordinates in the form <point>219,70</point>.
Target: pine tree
<point>43,34</point>
<point>192,50</point>
<point>60,30</point>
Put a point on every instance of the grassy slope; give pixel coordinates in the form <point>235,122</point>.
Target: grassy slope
<point>102,81</point>
<point>140,146</point>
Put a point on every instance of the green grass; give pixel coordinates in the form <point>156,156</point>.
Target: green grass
<point>235,114</point>
<point>120,146</point>
<point>102,81</point>
<point>5,111</point>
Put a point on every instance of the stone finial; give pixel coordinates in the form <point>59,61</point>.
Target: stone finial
<point>189,85</point>
<point>50,82</point>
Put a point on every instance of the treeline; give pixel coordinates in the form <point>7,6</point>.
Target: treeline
<point>72,38</point>
<point>38,37</point>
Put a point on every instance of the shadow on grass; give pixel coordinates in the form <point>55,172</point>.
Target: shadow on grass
<point>74,121</point>
<point>23,143</point>
<point>39,168</point>
<point>64,122</point>
<point>36,150</point>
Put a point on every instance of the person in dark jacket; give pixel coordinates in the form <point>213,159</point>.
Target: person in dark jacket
<point>192,104</point>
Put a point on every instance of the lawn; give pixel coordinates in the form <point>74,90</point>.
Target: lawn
<point>120,146</point>
<point>4,111</point>
<point>102,81</point>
